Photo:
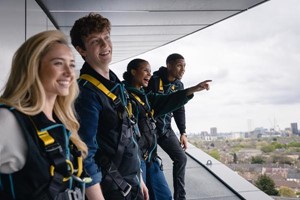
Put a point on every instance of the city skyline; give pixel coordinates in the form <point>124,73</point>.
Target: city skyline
<point>253,60</point>
<point>293,128</point>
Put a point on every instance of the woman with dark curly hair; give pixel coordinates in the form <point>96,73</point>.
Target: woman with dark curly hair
<point>146,107</point>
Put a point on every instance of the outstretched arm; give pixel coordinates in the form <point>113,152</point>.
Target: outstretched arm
<point>204,85</point>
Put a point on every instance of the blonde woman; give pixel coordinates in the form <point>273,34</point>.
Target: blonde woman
<point>40,150</point>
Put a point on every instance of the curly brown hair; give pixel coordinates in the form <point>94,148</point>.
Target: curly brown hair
<point>92,23</point>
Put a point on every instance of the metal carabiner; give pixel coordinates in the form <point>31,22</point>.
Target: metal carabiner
<point>71,170</point>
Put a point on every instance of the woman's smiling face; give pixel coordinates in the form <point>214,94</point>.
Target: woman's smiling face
<point>141,75</point>
<point>57,70</point>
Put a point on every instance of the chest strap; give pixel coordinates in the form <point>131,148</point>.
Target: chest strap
<point>55,152</point>
<point>99,85</point>
<point>61,168</point>
<point>147,153</point>
<point>161,86</point>
<point>107,92</point>
<point>149,111</point>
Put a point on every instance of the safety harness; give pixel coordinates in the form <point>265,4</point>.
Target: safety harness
<point>112,167</point>
<point>149,112</point>
<point>161,86</point>
<point>61,168</point>
<point>171,88</point>
<point>148,134</point>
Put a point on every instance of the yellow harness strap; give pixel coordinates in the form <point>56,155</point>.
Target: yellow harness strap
<point>143,104</point>
<point>80,166</point>
<point>48,140</point>
<point>129,110</point>
<point>161,86</point>
<point>138,99</point>
<point>99,85</point>
<point>104,89</point>
<point>152,112</point>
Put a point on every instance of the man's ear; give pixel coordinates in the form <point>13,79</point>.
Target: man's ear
<point>169,66</point>
<point>133,72</point>
<point>81,51</point>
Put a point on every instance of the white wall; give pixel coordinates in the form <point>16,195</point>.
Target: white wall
<point>19,19</point>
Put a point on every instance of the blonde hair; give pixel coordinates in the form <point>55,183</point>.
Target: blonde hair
<point>24,89</point>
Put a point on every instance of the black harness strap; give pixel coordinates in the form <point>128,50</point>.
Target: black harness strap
<point>146,106</point>
<point>112,167</point>
<point>60,168</point>
<point>150,123</point>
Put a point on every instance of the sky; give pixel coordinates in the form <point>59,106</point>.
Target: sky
<point>254,61</point>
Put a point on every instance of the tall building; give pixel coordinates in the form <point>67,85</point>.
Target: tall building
<point>213,131</point>
<point>294,127</point>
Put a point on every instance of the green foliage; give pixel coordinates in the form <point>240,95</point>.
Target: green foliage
<point>278,145</point>
<point>237,147</point>
<point>267,148</point>
<point>266,184</point>
<point>197,144</point>
<point>286,192</point>
<point>240,146</point>
<point>281,159</point>
<point>294,144</point>
<point>257,160</point>
<point>296,150</point>
<point>215,154</point>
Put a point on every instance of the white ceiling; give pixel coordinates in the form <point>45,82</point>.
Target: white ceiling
<point>139,26</point>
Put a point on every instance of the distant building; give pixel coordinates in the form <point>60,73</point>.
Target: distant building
<point>288,132</point>
<point>213,131</point>
<point>244,154</point>
<point>237,135</point>
<point>259,132</point>
<point>275,170</point>
<point>294,127</point>
<point>207,137</point>
<point>293,176</point>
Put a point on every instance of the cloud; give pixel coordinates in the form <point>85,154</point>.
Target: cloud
<point>254,61</point>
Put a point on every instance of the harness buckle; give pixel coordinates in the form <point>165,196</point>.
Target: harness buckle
<point>132,121</point>
<point>146,155</point>
<point>74,194</point>
<point>70,172</point>
<point>126,191</point>
<point>117,102</point>
<point>53,147</point>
